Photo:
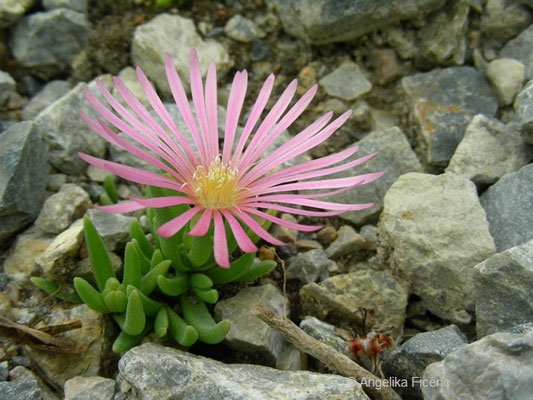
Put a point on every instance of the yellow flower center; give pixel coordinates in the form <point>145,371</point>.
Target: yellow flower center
<point>216,187</point>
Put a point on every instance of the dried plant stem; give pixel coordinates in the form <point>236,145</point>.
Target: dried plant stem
<point>331,358</point>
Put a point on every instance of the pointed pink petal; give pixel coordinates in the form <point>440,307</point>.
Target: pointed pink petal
<point>256,228</point>
<point>211,108</point>
<point>124,207</point>
<point>167,201</point>
<point>326,183</point>
<point>233,112</point>
<point>219,241</point>
<point>297,211</point>
<point>202,226</point>
<point>197,92</point>
<point>279,221</point>
<point>243,240</point>
<point>173,226</point>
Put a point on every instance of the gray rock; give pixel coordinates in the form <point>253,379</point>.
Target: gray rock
<point>412,357</point>
<point>345,296</point>
<point>248,333</point>
<point>348,241</point>
<point>76,5</point>
<point>519,48</point>
<point>346,83</point>
<point>443,38</point>
<point>23,374</point>
<point>509,208</point>
<point>151,42</point>
<point>161,373</point>
<point>48,94</point>
<point>488,151</point>
<point>394,156</point>
<point>325,333</point>
<point>495,367</point>
<point>433,232</point>
<point>23,178</point>
<point>58,122</point>
<point>291,359</point>
<point>309,266</point>
<point>503,290</point>
<point>7,86</point>
<point>20,262</point>
<point>4,370</point>
<point>113,228</point>
<point>89,388</point>
<point>25,388</point>
<point>58,258</point>
<point>55,181</point>
<point>442,103</point>
<point>501,20</point>
<point>63,208</point>
<point>524,112</point>
<point>47,42</point>
<point>242,29</point>
<point>323,21</point>
<point>12,10</point>
<point>507,77</point>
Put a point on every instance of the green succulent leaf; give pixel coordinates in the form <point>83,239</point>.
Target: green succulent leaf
<point>150,306</point>
<point>132,267</point>
<point>111,284</point>
<point>201,248</point>
<point>135,319</point>
<point>157,257</point>
<point>116,301</point>
<point>144,261</point>
<point>52,288</point>
<point>173,286</point>
<point>124,342</point>
<point>137,233</point>
<point>161,323</point>
<point>110,187</point>
<point>208,295</point>
<point>182,332</point>
<point>197,315</point>
<point>149,281</point>
<point>257,270</point>
<point>105,200</point>
<point>236,270</point>
<point>100,260</point>
<point>90,295</point>
<point>201,281</point>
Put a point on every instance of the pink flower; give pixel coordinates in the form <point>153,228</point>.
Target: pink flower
<point>233,181</point>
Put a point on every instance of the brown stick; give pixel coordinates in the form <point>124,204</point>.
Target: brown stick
<point>331,358</point>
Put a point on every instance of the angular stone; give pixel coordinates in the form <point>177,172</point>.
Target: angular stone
<point>58,122</point>
<point>502,20</point>
<point>63,208</point>
<point>58,258</point>
<point>248,333</point>
<point>7,86</point>
<point>92,339</point>
<point>114,229</point>
<point>503,285</point>
<point>151,42</point>
<point>47,95</point>
<point>443,38</point>
<point>76,5</point>
<point>488,151</point>
<point>394,157</point>
<point>324,21</point>
<point>412,357</point>
<point>344,296</point>
<point>20,373</point>
<point>23,178</point>
<point>519,49</point>
<point>291,359</point>
<point>495,367</point>
<point>348,241</point>
<point>20,262</point>
<point>309,266</point>
<point>20,389</point>
<point>524,112</point>
<point>433,232</point>
<point>242,29</point>
<point>442,103</point>
<point>509,208</point>
<point>47,42</point>
<point>325,333</point>
<point>507,77</point>
<point>346,83</point>
<point>162,373</point>
<point>12,10</point>
<point>89,388</point>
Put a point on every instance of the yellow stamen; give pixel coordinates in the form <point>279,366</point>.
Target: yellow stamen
<point>216,187</point>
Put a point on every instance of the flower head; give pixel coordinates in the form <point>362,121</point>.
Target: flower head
<point>233,181</point>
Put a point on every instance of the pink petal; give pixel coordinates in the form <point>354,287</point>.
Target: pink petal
<point>243,240</point>
<point>219,241</point>
<point>173,226</point>
<point>203,224</point>
<point>124,207</point>
<point>211,108</point>
<point>256,228</point>
<point>297,211</point>
<point>233,112</point>
<point>279,221</point>
<point>161,202</point>
<point>197,92</point>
